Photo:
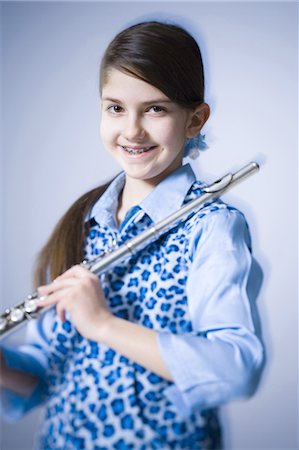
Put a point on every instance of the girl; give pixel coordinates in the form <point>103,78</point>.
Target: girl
<point>141,358</point>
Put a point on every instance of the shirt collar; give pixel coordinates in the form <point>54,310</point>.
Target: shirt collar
<point>167,197</point>
<point>104,210</point>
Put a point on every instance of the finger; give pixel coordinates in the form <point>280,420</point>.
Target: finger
<point>60,309</point>
<point>51,299</point>
<point>44,291</point>
<point>45,300</point>
<point>56,286</point>
<point>76,272</point>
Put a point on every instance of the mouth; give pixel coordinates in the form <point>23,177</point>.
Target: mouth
<point>137,150</point>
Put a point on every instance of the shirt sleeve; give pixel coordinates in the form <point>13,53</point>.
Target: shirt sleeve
<point>31,358</point>
<point>222,359</point>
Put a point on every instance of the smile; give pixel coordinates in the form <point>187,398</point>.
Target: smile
<point>137,151</point>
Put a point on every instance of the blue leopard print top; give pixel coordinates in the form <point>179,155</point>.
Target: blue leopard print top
<point>98,399</point>
<point>95,398</point>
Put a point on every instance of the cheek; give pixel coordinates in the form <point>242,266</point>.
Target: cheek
<point>103,128</point>
<point>172,131</point>
<point>102,132</point>
<point>160,131</point>
<point>173,136</point>
<point>107,131</point>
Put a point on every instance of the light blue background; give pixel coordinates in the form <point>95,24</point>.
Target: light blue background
<point>51,153</point>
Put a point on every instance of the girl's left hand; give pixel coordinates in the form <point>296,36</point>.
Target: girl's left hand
<point>78,292</point>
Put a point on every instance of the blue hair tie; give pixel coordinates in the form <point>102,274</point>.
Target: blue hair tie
<point>194,145</point>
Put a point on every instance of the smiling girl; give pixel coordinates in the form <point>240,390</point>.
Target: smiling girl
<point>141,357</point>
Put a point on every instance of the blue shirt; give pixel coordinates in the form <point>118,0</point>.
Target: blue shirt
<point>192,286</point>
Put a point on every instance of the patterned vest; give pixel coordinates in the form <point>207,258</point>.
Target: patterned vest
<point>97,398</point>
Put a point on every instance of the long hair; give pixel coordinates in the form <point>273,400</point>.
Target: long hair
<point>65,246</point>
<point>163,55</point>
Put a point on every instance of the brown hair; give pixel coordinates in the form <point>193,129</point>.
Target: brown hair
<point>65,246</point>
<point>165,56</point>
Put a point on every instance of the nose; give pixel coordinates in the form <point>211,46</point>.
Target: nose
<point>133,130</point>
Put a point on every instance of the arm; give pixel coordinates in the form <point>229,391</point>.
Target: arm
<point>20,382</point>
<point>223,362</point>
<point>78,291</point>
<point>136,342</point>
<point>218,364</point>
<point>23,371</point>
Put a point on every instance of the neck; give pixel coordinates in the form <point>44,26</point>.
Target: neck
<point>133,193</point>
<point>135,190</point>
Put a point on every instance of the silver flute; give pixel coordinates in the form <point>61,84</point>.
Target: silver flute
<point>28,309</point>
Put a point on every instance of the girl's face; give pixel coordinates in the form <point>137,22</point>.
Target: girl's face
<point>144,131</point>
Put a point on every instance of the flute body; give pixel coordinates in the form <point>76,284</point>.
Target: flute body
<point>28,310</point>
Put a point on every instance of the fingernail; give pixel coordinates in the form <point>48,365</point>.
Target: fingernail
<point>42,298</point>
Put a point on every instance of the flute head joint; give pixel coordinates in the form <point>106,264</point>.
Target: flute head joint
<point>219,184</point>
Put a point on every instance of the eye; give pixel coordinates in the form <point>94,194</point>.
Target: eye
<point>114,109</point>
<point>157,109</point>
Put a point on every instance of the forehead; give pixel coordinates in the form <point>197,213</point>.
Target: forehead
<point>125,87</point>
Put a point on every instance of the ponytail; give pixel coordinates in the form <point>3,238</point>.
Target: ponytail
<point>65,246</point>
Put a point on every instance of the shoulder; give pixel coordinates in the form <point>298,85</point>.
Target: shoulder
<point>216,220</point>
<point>216,209</point>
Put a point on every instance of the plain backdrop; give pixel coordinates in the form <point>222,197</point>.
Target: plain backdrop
<point>51,153</point>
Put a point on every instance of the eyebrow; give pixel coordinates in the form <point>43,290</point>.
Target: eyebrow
<point>150,102</point>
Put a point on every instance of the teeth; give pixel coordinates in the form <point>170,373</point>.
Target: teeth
<point>135,151</point>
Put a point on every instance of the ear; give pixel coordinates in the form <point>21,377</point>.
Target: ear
<point>197,119</point>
